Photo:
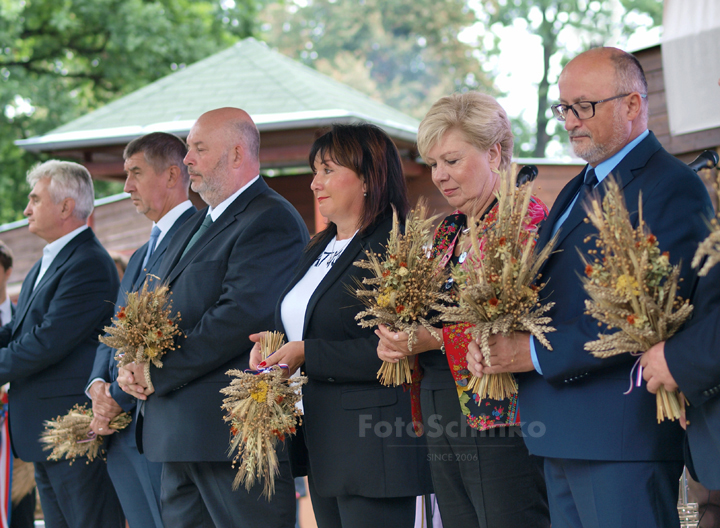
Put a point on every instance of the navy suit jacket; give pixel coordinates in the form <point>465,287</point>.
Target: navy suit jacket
<point>693,357</point>
<point>105,366</point>
<point>49,347</point>
<point>577,408</point>
<point>345,405</point>
<point>225,289</point>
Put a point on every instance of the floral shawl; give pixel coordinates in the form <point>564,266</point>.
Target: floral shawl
<point>485,413</point>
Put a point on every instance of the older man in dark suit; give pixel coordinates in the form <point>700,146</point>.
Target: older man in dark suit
<point>48,349</point>
<point>157,181</point>
<point>226,268</point>
<point>607,460</point>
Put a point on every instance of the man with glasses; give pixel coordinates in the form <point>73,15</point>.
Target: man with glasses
<point>607,460</point>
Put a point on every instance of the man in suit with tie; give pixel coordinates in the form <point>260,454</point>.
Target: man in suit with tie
<point>48,349</point>
<point>607,460</point>
<point>157,181</point>
<point>226,268</point>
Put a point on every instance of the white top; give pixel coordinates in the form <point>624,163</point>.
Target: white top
<point>294,305</point>
<point>6,311</point>
<point>51,251</point>
<point>167,221</point>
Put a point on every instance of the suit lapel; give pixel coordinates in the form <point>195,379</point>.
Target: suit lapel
<point>25,293</point>
<point>635,160</point>
<point>352,253</point>
<point>227,218</point>
<point>153,265</point>
<point>55,265</point>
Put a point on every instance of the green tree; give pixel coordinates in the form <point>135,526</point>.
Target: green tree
<point>592,22</point>
<point>62,58</point>
<point>405,53</point>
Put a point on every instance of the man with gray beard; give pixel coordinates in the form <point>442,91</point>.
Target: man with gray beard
<point>607,460</point>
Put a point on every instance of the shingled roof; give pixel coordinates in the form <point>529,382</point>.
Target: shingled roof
<point>278,92</point>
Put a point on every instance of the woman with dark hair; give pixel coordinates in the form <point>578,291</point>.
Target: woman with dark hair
<point>364,469</point>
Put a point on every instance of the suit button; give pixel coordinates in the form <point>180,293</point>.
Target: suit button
<point>331,380</point>
<point>706,393</point>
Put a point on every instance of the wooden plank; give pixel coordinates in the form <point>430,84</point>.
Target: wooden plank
<point>650,58</point>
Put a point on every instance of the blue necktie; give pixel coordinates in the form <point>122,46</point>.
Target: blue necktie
<point>154,234</point>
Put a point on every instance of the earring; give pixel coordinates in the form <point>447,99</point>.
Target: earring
<point>365,194</point>
<point>496,171</point>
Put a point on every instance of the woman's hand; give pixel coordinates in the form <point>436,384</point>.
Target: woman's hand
<point>291,354</point>
<point>393,346</point>
<point>255,356</point>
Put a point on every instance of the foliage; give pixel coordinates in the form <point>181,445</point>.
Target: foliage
<point>592,23</point>
<point>61,59</point>
<point>405,52</point>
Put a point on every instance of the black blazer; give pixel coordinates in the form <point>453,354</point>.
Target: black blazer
<point>354,442</point>
<point>49,346</point>
<point>577,409</point>
<point>225,289</point>
<point>693,357</point>
<point>105,366</point>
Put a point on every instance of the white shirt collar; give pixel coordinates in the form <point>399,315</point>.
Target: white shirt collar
<point>52,250</point>
<point>215,212</point>
<point>167,221</point>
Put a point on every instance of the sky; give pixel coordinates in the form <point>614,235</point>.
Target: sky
<point>518,68</point>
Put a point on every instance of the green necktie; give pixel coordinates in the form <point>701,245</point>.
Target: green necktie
<point>201,230</point>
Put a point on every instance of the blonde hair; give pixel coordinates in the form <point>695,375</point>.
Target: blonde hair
<point>478,116</point>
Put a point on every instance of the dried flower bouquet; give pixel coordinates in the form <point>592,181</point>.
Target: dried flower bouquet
<point>632,287</point>
<point>497,290</point>
<point>710,247</point>
<point>405,288</point>
<point>261,409</point>
<point>144,329</point>
<point>69,436</point>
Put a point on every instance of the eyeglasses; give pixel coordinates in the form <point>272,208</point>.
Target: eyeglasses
<point>582,109</point>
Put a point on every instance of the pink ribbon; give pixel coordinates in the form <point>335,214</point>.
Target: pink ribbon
<point>638,381</point>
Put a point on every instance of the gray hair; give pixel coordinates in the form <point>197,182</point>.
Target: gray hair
<point>249,135</point>
<point>478,116</point>
<point>67,180</point>
<point>630,77</point>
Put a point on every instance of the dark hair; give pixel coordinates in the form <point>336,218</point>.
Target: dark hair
<point>371,154</point>
<point>161,150</point>
<point>6,256</point>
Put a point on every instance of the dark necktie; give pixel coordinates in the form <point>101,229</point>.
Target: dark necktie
<point>154,234</point>
<point>201,230</point>
<point>571,218</point>
<point>590,181</point>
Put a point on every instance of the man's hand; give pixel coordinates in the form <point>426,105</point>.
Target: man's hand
<point>131,379</point>
<point>393,346</point>
<point>104,407</point>
<point>507,354</point>
<point>655,369</point>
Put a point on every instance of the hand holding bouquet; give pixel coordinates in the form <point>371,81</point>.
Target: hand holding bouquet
<point>261,408</point>
<point>632,287</point>
<point>497,290</point>
<point>405,288</point>
<point>144,329</point>
<point>70,437</point>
